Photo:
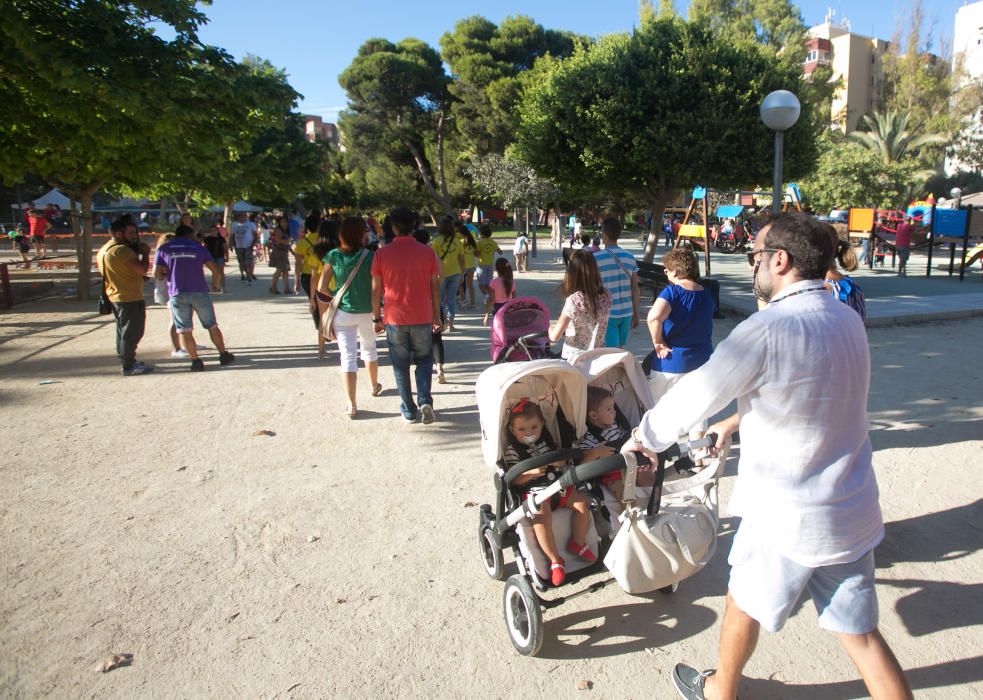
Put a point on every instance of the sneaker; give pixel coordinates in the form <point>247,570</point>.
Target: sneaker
<point>180,352</point>
<point>689,682</point>
<point>427,411</point>
<point>226,358</point>
<point>197,365</point>
<point>138,368</point>
<point>411,418</point>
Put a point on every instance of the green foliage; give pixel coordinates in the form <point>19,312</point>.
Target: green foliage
<point>398,105</point>
<point>487,62</point>
<point>776,24</point>
<point>664,108</point>
<point>509,183</point>
<point>890,140</point>
<point>94,97</point>
<point>847,174</point>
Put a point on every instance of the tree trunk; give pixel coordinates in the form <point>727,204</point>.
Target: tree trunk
<point>85,259</point>
<point>658,200</point>
<point>227,215</point>
<point>441,177</point>
<point>424,169</point>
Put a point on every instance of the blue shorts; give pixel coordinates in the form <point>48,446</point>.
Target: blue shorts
<point>182,305</point>
<point>617,333</point>
<point>484,275</point>
<point>767,586</point>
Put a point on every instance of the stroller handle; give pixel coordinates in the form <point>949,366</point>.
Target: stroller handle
<point>574,476</point>
<point>541,461</point>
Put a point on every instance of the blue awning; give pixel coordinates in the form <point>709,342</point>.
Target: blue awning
<point>729,211</point>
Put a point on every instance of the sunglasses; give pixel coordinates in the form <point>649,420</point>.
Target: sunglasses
<point>752,256</point>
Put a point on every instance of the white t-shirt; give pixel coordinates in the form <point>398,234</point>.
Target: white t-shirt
<point>244,234</point>
<point>800,371</point>
<point>521,243</point>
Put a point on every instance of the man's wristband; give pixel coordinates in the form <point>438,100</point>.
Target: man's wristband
<point>377,319</point>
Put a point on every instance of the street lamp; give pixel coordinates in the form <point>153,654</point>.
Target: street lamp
<point>779,111</point>
<point>956,194</point>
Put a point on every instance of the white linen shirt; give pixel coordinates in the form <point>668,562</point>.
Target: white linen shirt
<point>800,371</point>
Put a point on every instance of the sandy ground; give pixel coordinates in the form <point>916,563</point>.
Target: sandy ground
<point>339,558</point>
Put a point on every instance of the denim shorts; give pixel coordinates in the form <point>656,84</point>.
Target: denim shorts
<point>182,305</point>
<point>485,273</point>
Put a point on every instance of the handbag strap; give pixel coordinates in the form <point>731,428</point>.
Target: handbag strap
<point>619,263</point>
<point>631,471</point>
<point>340,293</point>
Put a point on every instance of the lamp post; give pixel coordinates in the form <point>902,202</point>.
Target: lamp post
<point>779,111</point>
<point>956,194</point>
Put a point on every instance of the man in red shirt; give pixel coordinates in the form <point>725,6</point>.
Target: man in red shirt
<point>39,227</point>
<point>406,275</point>
<point>902,244</point>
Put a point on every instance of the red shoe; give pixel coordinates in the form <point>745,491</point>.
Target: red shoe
<point>558,574</point>
<point>582,551</point>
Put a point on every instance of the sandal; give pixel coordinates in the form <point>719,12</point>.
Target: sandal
<point>377,389</point>
<point>582,551</point>
<point>558,573</point>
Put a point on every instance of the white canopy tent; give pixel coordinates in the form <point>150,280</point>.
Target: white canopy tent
<point>239,206</point>
<point>52,197</point>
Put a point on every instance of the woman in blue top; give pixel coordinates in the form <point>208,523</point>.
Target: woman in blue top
<point>680,323</point>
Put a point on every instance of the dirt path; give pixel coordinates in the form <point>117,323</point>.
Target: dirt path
<point>339,558</point>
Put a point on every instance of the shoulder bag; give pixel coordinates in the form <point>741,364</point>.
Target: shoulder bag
<point>664,543</point>
<point>328,319</point>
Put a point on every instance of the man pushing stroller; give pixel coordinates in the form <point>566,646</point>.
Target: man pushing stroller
<point>806,488</point>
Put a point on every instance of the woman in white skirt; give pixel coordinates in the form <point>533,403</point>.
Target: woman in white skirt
<point>353,319</point>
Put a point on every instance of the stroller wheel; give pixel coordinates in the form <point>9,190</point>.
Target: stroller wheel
<point>491,554</point>
<point>523,617</point>
<point>671,588</point>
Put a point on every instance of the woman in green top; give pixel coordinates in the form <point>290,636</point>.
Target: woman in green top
<point>353,319</point>
<point>451,254</point>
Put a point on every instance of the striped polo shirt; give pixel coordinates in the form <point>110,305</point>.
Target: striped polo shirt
<point>614,280</point>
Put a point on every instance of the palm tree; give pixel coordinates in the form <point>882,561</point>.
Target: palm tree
<point>890,138</point>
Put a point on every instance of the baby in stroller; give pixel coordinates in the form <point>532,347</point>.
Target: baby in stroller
<point>604,435</point>
<point>528,439</point>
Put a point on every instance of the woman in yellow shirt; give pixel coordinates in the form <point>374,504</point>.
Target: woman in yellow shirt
<point>470,248</point>
<point>450,252</point>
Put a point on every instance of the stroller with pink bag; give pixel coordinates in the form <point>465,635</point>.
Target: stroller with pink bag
<point>520,331</point>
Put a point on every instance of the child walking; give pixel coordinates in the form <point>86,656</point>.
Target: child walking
<point>487,249</point>
<point>500,289</point>
<point>584,318</point>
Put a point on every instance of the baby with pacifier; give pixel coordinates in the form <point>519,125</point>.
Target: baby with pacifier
<point>527,438</point>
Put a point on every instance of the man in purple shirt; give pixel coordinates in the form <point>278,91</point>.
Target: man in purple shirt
<point>180,262</point>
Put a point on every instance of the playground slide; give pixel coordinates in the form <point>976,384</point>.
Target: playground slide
<point>972,255</point>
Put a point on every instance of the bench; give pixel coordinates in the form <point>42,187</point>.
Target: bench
<point>654,275</point>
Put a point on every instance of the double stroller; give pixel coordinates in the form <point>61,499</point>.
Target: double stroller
<point>560,391</point>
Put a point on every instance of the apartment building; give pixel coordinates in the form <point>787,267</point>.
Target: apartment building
<point>858,61</point>
<point>967,48</point>
<point>316,129</point>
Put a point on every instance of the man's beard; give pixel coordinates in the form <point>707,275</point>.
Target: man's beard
<point>762,291</point>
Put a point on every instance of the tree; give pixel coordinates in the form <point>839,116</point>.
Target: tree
<point>486,62</point>
<point>660,110</point>
<point>94,97</point>
<point>509,183</point>
<point>892,142</point>
<point>776,24</point>
<point>847,174</point>
<point>398,104</point>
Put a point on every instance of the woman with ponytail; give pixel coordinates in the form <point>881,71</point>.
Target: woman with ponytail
<point>843,287</point>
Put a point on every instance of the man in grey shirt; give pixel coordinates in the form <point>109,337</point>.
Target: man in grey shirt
<point>244,239</point>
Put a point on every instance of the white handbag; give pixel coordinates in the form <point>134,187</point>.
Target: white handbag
<point>666,542</point>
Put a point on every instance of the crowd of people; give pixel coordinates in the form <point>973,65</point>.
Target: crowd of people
<point>806,488</point>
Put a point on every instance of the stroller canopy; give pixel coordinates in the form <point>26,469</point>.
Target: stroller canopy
<point>619,372</point>
<point>553,384</point>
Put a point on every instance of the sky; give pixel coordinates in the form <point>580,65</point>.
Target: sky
<point>315,40</point>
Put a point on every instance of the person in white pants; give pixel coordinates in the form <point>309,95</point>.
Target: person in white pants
<point>352,323</point>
